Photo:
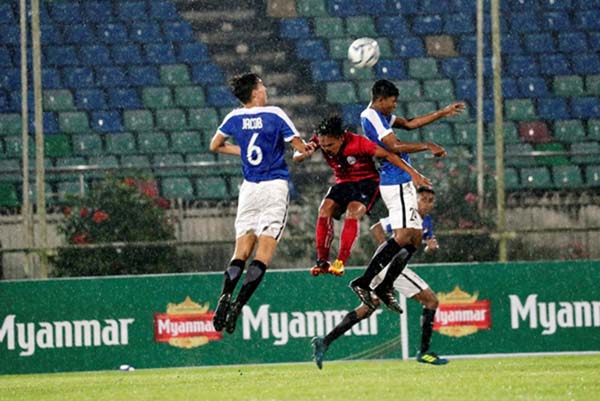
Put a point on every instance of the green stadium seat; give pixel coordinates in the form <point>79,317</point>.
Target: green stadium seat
<point>440,133</point>
<point>69,175</point>
<point>10,124</point>
<point>171,119</point>
<point>232,165</point>
<point>363,91</point>
<point>58,100</point>
<point>177,188</point>
<point>354,73</point>
<point>87,145</point>
<point>511,179</point>
<point>153,142</point>
<point>592,176</point>
<point>592,85</point>
<point>8,195</point>
<point>138,120</point>
<point>157,97</point>
<point>175,74</point>
<point>329,27</point>
<point>510,133</point>
<point>466,133</point>
<point>57,146</point>
<point>569,131</point>
<point>68,189</point>
<point>106,161</point>
<point>341,93</point>
<point>205,119</point>
<point>311,8</point>
<point>581,148</point>
<point>50,194</point>
<point>167,161</point>
<point>135,162</point>
<point>440,89</point>
<point>11,169</point>
<point>13,147</point>
<point>211,188</point>
<point>234,185</point>
<point>517,155</point>
<point>536,178</point>
<point>568,86</point>
<point>520,110</point>
<point>120,144</point>
<point>186,142</point>
<point>553,160</point>
<point>201,158</point>
<point>385,48</point>
<point>423,68</point>
<point>73,122</point>
<point>593,129</point>
<point>414,109</point>
<point>409,90</point>
<point>568,176</point>
<point>361,26</point>
<point>189,96</point>
<point>338,48</point>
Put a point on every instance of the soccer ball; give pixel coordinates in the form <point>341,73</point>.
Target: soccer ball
<point>363,52</point>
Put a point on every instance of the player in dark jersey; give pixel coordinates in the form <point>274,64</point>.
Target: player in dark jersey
<point>356,187</point>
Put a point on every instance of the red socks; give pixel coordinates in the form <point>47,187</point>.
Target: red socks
<point>348,238</point>
<point>324,236</point>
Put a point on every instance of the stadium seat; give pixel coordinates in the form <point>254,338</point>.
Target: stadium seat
<point>120,144</point>
<point>194,52</point>
<point>187,142</point>
<point>423,68</point>
<point>414,109</point>
<point>145,32</point>
<point>294,28</point>
<point>511,179</point>
<point>593,129</point>
<point>58,100</point>
<point>138,120</point>
<point>126,55</point>
<point>13,147</point>
<point>108,162</point>
<point>519,155</point>
<point>97,11</point>
<point>586,64</point>
<point>177,188</point>
<point>60,56</point>
<point>441,90</point>
<point>51,79</point>
<point>465,133</point>
<point>456,67</point>
<point>534,87</point>
<point>522,66</point>
<point>338,49</point>
<point>568,176</point>
<point>585,152</point>
<point>153,142</point>
<point>553,108</point>
<point>178,31</point>
<point>189,96</point>
<point>87,145</point>
<point>567,86</point>
<point>519,109</point>
<point>211,188</point>
<point>146,75</point>
<point>73,122</point>
<point>361,26</point>
<point>220,96</point>
<point>159,53</point>
<point>585,107</point>
<point>311,49</point>
<point>11,169</point>
<point>57,146</point>
<point>440,133</point>
<point>110,77</point>
<point>175,75</point>
<point>572,42</point>
<point>552,159</point>
<point>157,97</point>
<point>66,13</point>
<point>205,119</point>
<point>123,98</point>
<point>534,132</point>
<point>343,8</point>
<point>351,114</point>
<point>427,24</point>
<point>569,131</point>
<point>206,74</point>
<point>587,20</point>
<point>78,77</point>
<point>106,121</point>
<point>363,91</point>
<point>135,162</point>
<point>352,73</point>
<point>390,70</point>
<point>311,8</point>
<point>385,48</point>
<point>112,33</point>
<point>6,14</point>
<point>536,178</point>
<point>540,43</point>
<point>94,55</point>
<point>8,195</point>
<point>130,10</point>
<point>79,34</point>
<point>523,22</point>
<point>163,165</point>
<point>592,176</point>
<point>163,10</point>
<point>592,85</point>
<point>341,93</point>
<point>409,46</point>
<point>328,27</point>
<point>459,23</point>
<point>171,119</point>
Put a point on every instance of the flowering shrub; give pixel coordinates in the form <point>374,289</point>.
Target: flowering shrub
<point>116,210</point>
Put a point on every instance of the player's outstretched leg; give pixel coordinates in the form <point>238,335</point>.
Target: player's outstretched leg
<point>220,316</point>
<point>232,317</point>
<point>337,268</point>
<point>362,294</point>
<point>319,349</point>
<point>386,295</point>
<point>321,267</point>
<point>431,358</point>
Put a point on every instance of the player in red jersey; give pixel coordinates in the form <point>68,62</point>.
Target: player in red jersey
<point>355,191</point>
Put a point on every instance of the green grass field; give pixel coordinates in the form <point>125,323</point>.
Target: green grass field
<point>549,378</point>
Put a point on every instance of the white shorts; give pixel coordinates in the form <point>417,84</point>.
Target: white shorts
<point>401,201</point>
<point>408,282</point>
<point>262,208</point>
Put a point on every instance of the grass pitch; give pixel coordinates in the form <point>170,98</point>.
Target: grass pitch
<point>549,378</point>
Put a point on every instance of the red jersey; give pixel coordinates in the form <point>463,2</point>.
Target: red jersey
<point>354,162</point>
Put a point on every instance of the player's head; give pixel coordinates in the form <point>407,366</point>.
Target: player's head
<point>384,95</point>
<point>331,134</point>
<point>426,200</point>
<point>249,88</point>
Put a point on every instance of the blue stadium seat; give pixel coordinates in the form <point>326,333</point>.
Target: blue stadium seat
<point>427,24</point>
<point>146,75</point>
<point>586,64</point>
<point>555,64</point>
<point>51,79</point>
<point>510,89</point>
<point>556,5</point>
<point>7,15</point>
<point>106,121</point>
<point>95,55</point>
<point>206,74</point>
<point>522,5</point>
<point>10,78</point>
<point>294,28</point>
<point>466,89</point>
<point>65,13</point>
<point>61,56</point>
<point>4,105</point>
<point>50,123</point>
<point>533,87</point>
<point>343,8</point>
<point>556,21</point>
<point>11,35</point>
<point>126,54</point>
<point>459,23</point>
<point>391,26</point>
<point>78,77</point>
<point>163,10</point>
<point>123,98</point>
<point>311,49</point>
<point>594,41</point>
<point>79,34</point>
<point>511,44</point>
<point>110,77</point>
<point>550,108</point>
<point>434,7</point>
<point>112,33</point>
<point>90,99</point>
<point>131,10</point>
<point>456,67</point>
<point>325,71</point>
<point>409,46</point>
<point>572,42</point>
<point>468,45</point>
<point>523,22</point>
<point>194,52</point>
<point>98,11</point>
<point>145,32</point>
<point>461,6</point>
<point>159,53</point>
<point>390,69</point>
<point>5,57</point>
<point>539,43</point>
<point>519,66</point>
<point>351,114</point>
<point>180,31</point>
<point>585,107</point>
<point>403,7</point>
<point>588,20</point>
<point>587,4</point>
<point>373,7</point>
<point>220,96</point>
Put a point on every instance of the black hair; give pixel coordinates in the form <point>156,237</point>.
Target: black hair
<point>243,85</point>
<point>384,89</point>
<point>425,189</point>
<point>331,126</point>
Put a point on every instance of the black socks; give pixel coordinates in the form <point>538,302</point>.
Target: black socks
<point>233,273</point>
<point>254,276</point>
<point>427,317</point>
<point>347,322</point>
<point>382,257</point>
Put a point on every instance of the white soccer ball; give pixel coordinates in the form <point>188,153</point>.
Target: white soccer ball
<point>363,52</point>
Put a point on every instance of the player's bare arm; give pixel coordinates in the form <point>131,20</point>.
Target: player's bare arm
<point>418,178</point>
<point>219,144</point>
<point>453,109</point>
<point>397,146</point>
<point>311,147</point>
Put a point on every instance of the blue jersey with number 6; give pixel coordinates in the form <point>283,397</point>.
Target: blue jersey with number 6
<point>261,133</point>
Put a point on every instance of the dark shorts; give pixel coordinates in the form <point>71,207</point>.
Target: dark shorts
<point>365,192</point>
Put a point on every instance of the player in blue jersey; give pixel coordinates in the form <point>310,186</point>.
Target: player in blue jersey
<point>397,189</point>
<point>260,132</point>
<point>408,283</point>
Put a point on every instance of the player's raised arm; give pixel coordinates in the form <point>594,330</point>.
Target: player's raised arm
<point>420,121</point>
<point>219,144</point>
<point>418,178</point>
